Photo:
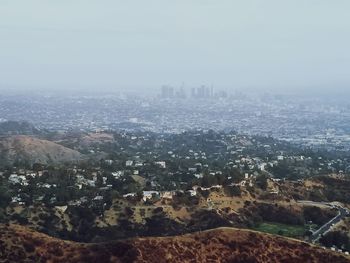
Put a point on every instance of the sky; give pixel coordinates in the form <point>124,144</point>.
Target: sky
<point>141,45</point>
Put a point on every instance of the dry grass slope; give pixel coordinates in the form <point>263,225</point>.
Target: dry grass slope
<point>35,150</point>
<point>19,244</point>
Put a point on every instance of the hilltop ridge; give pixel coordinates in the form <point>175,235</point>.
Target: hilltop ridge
<point>18,128</point>
<point>20,244</point>
<point>22,148</point>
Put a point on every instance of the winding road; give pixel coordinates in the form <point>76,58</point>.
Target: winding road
<point>342,213</point>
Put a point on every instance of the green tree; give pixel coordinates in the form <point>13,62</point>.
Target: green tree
<point>261,181</point>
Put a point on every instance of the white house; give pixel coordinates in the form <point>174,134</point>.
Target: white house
<point>149,194</point>
<point>167,195</point>
<point>162,164</point>
<point>129,163</point>
<point>280,158</point>
<point>129,195</point>
<point>18,179</point>
<point>198,176</point>
<point>192,192</point>
<point>118,174</point>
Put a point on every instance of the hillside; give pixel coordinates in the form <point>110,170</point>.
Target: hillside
<point>19,244</point>
<point>18,128</point>
<point>22,148</point>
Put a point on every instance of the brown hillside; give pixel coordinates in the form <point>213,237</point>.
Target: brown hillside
<point>96,138</point>
<point>30,149</point>
<point>19,244</point>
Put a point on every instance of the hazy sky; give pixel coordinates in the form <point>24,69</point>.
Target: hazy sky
<point>116,44</point>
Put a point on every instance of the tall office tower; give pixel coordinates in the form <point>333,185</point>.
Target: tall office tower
<point>180,93</point>
<point>201,92</point>
<point>167,92</point>
<point>171,92</point>
<point>206,92</point>
<point>193,92</point>
<point>164,92</point>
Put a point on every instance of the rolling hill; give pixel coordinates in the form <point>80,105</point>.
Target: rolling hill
<point>20,244</point>
<point>28,149</point>
<point>18,128</point>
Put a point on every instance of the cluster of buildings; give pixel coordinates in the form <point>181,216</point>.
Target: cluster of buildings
<point>202,92</point>
<point>310,122</point>
<point>159,165</point>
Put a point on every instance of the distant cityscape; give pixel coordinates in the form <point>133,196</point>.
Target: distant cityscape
<point>308,121</point>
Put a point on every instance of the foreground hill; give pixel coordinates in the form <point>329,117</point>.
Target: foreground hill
<point>29,149</point>
<point>19,244</point>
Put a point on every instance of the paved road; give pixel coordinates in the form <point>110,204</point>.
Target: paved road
<point>342,213</point>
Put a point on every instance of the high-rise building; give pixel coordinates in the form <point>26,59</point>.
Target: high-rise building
<point>202,92</point>
<point>167,92</point>
<point>180,93</point>
<point>193,92</point>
